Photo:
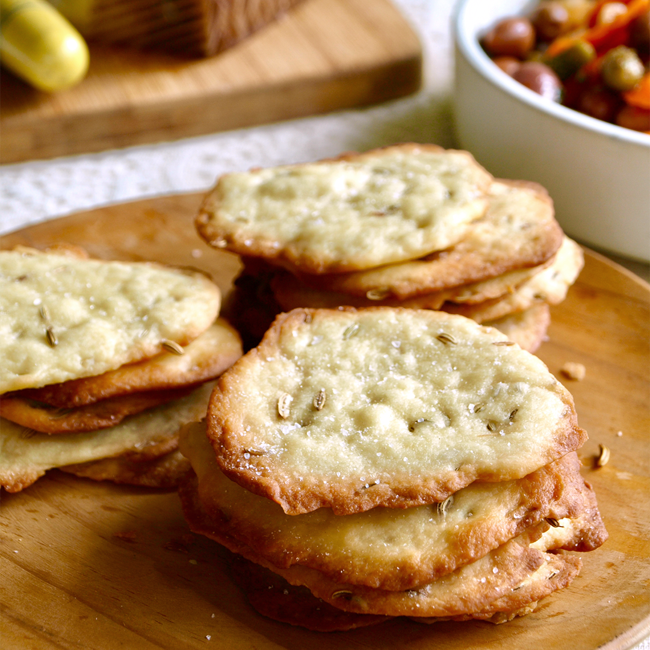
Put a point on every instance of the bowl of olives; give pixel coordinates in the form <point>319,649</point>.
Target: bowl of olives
<point>558,92</point>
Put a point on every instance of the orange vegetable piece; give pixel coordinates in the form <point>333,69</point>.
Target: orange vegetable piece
<point>599,5</point>
<point>640,95</point>
<point>604,36</point>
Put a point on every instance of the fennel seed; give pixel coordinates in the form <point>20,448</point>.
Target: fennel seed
<point>284,404</point>
<point>172,346</point>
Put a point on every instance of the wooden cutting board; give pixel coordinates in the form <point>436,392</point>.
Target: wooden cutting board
<point>97,566</point>
<point>321,56</point>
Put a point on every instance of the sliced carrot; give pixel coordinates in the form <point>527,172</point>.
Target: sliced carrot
<point>593,16</point>
<point>640,95</point>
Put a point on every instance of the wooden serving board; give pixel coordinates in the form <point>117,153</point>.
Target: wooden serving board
<point>99,566</point>
<point>321,56</point>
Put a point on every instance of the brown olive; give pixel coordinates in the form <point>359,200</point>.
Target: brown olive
<point>550,19</point>
<point>622,68</point>
<point>508,64</point>
<point>539,78</point>
<point>640,33</point>
<point>510,37</point>
<point>632,117</point>
<point>599,103</point>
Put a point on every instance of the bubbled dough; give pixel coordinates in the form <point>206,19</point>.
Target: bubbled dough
<point>409,418</point>
<point>355,212</point>
<point>103,314</point>
<point>518,230</point>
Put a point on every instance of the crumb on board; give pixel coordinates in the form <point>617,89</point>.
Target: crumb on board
<point>603,456</point>
<point>573,370</point>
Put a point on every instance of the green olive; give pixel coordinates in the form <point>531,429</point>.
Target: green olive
<point>569,61</point>
<point>622,69</point>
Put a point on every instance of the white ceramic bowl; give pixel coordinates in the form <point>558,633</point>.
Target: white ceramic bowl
<point>598,174</point>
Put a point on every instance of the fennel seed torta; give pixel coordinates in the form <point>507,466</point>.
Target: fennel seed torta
<point>354,212</point>
<point>93,403</point>
<point>27,455</point>
<point>205,358</point>
<point>518,230</point>
<point>390,548</point>
<point>353,409</point>
<point>63,317</point>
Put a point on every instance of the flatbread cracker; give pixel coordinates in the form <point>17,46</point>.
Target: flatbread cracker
<point>202,360</point>
<point>354,212</point>
<point>100,415</point>
<point>62,317</point>
<point>252,307</point>
<point>550,286</point>
<point>471,588</point>
<point>165,471</point>
<point>525,328</point>
<point>555,573</point>
<point>353,409</point>
<point>290,293</point>
<point>518,231</point>
<point>273,597</point>
<point>27,455</point>
<point>391,549</point>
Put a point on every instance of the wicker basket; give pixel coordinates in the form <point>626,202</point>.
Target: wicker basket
<point>189,27</point>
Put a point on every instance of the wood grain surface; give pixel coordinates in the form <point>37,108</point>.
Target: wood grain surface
<point>99,566</point>
<point>321,56</point>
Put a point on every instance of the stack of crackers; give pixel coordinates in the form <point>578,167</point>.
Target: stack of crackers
<point>380,452</point>
<point>404,226</point>
<point>364,464</point>
<point>103,363</point>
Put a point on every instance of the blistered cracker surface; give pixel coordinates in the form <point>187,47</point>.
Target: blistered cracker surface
<point>100,314</point>
<point>355,212</point>
<point>25,455</point>
<point>518,230</point>
<point>386,548</point>
<point>414,405</point>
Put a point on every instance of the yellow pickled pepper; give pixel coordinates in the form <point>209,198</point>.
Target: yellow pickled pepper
<point>39,45</point>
